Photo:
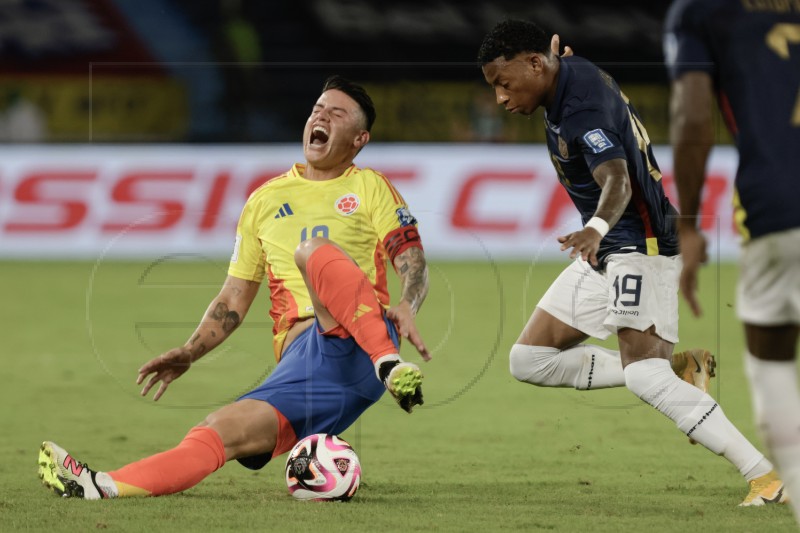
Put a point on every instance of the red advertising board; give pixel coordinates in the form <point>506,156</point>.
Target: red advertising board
<point>472,201</point>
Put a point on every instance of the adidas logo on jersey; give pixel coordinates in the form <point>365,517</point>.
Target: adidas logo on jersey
<point>284,211</point>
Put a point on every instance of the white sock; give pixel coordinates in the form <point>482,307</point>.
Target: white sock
<point>695,413</point>
<point>385,359</point>
<point>583,367</point>
<point>106,484</point>
<point>776,402</point>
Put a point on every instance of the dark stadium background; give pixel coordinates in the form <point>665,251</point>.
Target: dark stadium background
<point>246,70</point>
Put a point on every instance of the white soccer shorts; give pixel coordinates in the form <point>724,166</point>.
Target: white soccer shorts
<point>768,291</point>
<point>635,291</point>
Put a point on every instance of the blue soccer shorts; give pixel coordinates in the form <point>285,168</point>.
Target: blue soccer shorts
<point>322,384</point>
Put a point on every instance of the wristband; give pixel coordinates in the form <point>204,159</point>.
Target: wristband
<point>598,224</point>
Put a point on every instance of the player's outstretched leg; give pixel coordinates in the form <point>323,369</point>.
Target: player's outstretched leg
<point>199,454</point>
<point>68,478</point>
<point>589,367</point>
<point>702,419</point>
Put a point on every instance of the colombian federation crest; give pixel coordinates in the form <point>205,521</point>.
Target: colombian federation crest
<point>347,204</point>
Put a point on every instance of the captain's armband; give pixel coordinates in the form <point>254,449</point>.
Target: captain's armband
<point>399,240</point>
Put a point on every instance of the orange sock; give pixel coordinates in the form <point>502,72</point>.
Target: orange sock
<point>200,453</point>
<point>347,294</point>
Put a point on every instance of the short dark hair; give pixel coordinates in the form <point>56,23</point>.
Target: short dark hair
<point>354,91</point>
<point>511,37</point>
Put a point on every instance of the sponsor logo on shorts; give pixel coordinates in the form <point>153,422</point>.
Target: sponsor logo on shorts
<point>625,312</point>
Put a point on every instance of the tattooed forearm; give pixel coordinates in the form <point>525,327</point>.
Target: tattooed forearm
<point>196,350</point>
<point>223,315</point>
<point>230,319</point>
<point>219,311</point>
<point>411,266</point>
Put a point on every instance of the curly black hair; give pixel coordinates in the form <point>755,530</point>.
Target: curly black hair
<point>354,91</point>
<point>509,38</point>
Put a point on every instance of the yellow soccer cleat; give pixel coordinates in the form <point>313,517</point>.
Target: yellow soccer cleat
<point>695,367</point>
<point>765,489</point>
<point>403,381</point>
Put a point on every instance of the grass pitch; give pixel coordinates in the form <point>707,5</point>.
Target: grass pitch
<point>485,453</point>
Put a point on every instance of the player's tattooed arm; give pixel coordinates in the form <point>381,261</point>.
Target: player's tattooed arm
<point>223,315</point>
<point>413,271</point>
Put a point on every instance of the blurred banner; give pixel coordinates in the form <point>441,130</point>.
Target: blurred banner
<point>473,201</point>
<point>76,70</point>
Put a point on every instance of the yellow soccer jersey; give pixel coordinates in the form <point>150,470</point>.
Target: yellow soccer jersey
<point>360,211</point>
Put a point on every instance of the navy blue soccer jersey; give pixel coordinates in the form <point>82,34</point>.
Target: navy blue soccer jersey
<point>751,49</point>
<point>590,122</point>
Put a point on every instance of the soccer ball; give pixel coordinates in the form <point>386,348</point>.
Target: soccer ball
<point>323,467</point>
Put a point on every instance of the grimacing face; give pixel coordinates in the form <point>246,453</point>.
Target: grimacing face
<point>334,131</point>
<point>519,83</point>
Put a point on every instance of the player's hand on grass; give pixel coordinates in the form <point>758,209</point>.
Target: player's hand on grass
<point>555,47</point>
<point>165,368</point>
<point>403,317</point>
<point>585,243</point>
<point>693,253</point>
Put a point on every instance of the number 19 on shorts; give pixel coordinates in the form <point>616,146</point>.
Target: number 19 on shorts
<point>627,290</point>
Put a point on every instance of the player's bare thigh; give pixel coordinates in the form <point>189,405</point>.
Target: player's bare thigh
<point>246,427</point>
<point>635,345</point>
<point>543,329</point>
<point>772,343</point>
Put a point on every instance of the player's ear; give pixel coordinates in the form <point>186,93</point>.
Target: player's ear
<point>535,61</point>
<point>361,139</point>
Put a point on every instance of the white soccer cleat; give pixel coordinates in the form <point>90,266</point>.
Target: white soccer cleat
<point>68,478</point>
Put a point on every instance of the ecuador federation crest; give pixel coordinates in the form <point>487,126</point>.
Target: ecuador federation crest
<point>562,147</point>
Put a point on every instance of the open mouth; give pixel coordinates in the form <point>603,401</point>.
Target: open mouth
<point>319,136</point>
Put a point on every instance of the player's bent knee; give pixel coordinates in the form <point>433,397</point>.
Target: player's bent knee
<point>642,376</point>
<point>532,364</point>
<point>306,248</point>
